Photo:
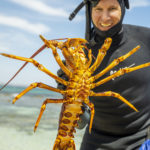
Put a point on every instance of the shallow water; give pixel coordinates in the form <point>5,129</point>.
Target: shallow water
<point>18,120</point>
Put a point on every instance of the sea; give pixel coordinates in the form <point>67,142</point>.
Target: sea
<point>22,115</point>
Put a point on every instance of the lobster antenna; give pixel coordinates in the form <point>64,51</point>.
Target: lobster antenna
<point>37,52</point>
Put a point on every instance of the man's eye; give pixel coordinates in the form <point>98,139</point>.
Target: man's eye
<point>98,9</point>
<point>112,8</point>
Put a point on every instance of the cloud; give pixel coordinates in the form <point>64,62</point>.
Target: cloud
<point>139,3</point>
<point>41,7</point>
<point>23,24</point>
<point>14,41</point>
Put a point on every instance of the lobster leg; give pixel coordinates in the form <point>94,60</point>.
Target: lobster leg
<point>119,73</point>
<point>39,66</point>
<point>37,52</point>
<point>57,57</point>
<point>115,63</point>
<point>43,107</point>
<point>68,58</point>
<point>62,66</point>
<point>90,58</point>
<point>101,54</point>
<point>116,95</point>
<point>34,85</point>
<point>91,106</point>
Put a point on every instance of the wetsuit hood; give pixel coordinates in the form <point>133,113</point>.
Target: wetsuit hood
<point>115,29</point>
<point>89,31</point>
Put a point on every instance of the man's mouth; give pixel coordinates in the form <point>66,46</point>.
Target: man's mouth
<point>106,24</point>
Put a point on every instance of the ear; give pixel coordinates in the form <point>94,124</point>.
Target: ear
<point>127,4</point>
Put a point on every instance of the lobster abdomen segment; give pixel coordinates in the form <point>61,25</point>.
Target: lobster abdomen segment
<point>68,121</point>
<point>66,145</point>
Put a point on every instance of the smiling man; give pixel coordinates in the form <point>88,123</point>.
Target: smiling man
<point>115,125</point>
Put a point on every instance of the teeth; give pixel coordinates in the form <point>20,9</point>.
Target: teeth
<point>105,25</point>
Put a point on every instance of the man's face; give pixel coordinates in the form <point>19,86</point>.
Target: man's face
<point>106,14</point>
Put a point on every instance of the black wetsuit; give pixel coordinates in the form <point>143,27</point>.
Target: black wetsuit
<point>116,126</point>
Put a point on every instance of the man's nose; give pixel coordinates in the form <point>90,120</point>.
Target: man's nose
<point>105,16</point>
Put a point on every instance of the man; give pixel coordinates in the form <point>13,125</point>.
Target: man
<point>116,126</point>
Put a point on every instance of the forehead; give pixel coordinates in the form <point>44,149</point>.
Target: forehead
<point>106,3</point>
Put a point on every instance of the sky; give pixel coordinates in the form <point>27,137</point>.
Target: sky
<point>22,21</point>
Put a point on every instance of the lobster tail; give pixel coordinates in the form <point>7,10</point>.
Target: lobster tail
<point>67,123</point>
<point>64,145</point>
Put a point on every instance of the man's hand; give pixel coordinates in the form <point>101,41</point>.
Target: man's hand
<point>85,117</point>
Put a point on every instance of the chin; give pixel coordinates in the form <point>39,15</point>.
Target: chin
<point>105,28</point>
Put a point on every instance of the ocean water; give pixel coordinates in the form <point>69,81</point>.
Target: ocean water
<point>22,115</point>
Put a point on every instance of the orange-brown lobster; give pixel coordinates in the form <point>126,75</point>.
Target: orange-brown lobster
<point>79,87</point>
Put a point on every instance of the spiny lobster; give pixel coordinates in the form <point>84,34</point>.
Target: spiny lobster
<point>79,87</point>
